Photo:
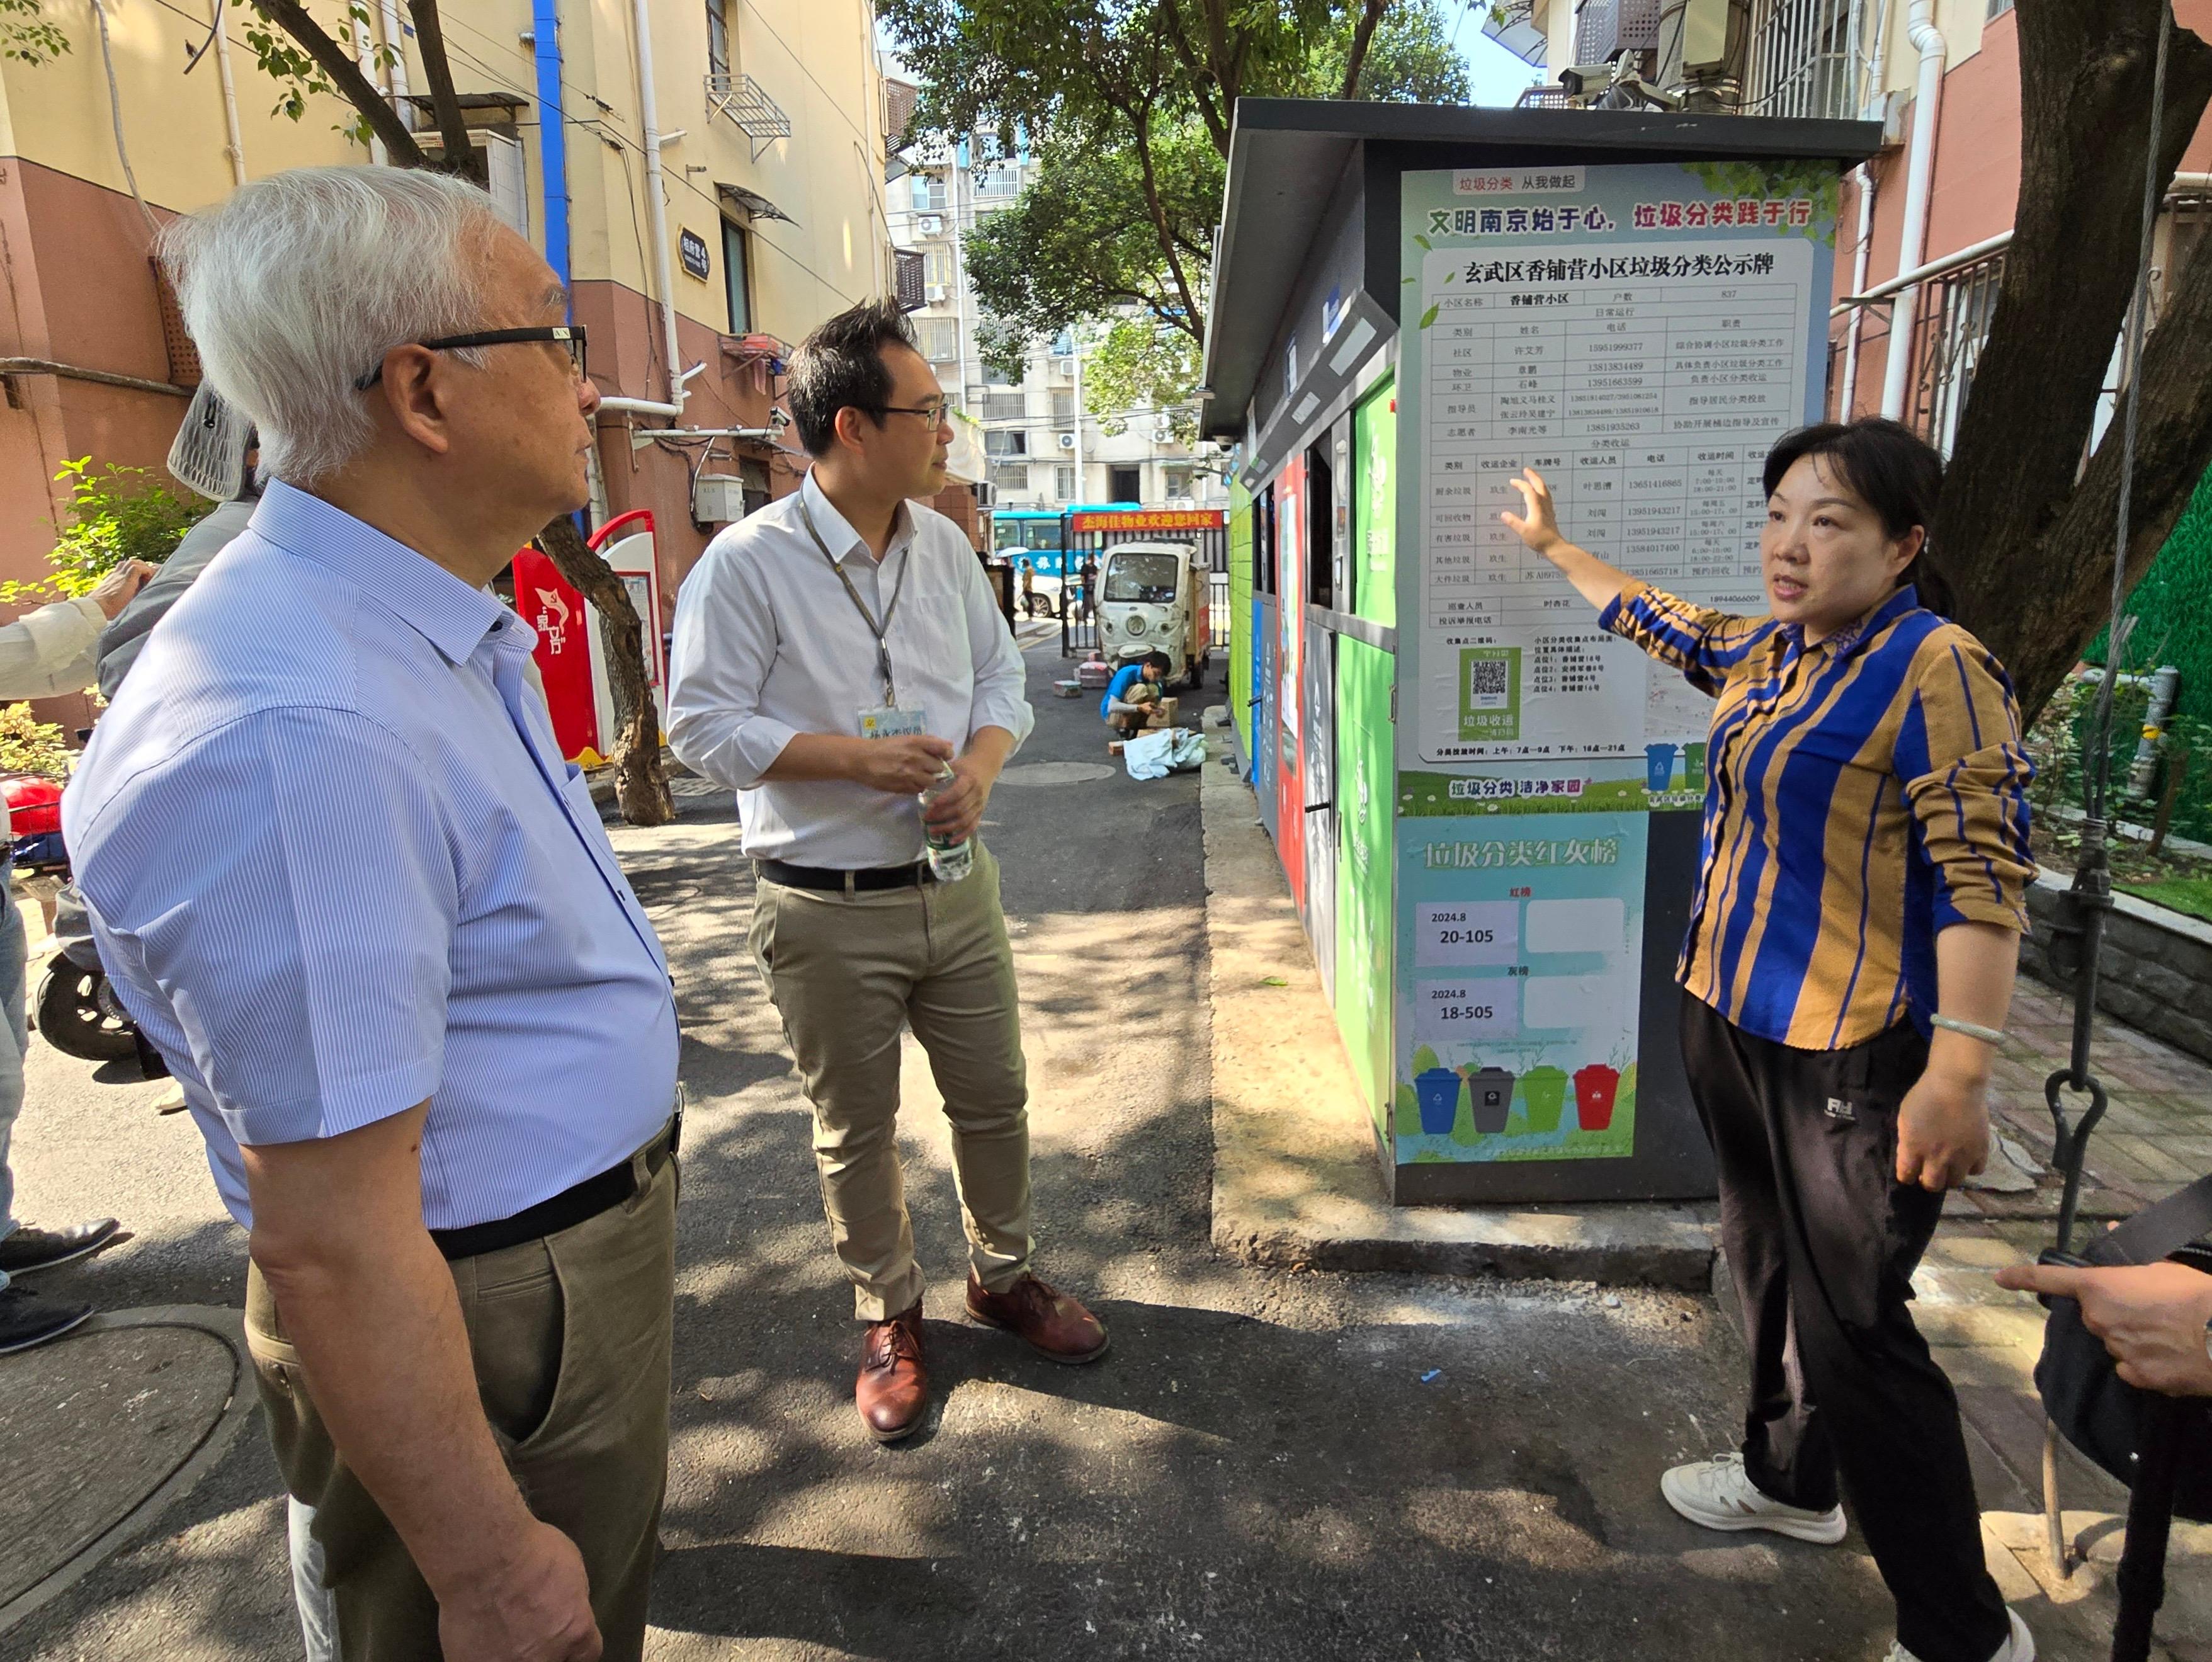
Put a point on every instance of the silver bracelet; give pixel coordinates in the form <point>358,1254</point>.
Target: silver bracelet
<point>1970,1029</point>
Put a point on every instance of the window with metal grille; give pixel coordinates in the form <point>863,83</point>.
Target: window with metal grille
<point>1063,405</point>
<point>909,265</point>
<point>1004,407</point>
<point>1951,325</point>
<point>1807,59</point>
<point>940,338</point>
<point>1010,475</point>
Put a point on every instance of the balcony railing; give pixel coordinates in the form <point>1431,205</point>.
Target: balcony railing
<point>1950,325</point>
<point>742,99</point>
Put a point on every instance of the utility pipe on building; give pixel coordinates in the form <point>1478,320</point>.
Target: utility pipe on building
<point>1877,94</point>
<point>648,112</point>
<point>1919,185</point>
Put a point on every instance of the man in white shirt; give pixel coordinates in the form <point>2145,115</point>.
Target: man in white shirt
<point>837,653</point>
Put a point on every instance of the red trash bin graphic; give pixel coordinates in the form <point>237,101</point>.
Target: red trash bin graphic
<point>1595,1087</point>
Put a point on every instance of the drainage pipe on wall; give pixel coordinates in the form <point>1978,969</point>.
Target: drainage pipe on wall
<point>648,111</point>
<point>1877,94</point>
<point>236,149</point>
<point>552,135</point>
<point>1919,185</point>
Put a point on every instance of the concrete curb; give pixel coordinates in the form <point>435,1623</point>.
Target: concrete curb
<point>1296,1180</point>
<point>228,1325</point>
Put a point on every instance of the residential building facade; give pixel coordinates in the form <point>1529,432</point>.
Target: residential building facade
<point>770,125</point>
<point>1045,450</point>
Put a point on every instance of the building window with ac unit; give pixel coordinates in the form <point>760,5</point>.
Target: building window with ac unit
<point>737,272</point>
<point>937,268</point>
<point>718,38</point>
<point>928,192</point>
<point>1063,483</point>
<point>1063,405</point>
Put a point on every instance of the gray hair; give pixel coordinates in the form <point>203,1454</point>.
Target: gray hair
<point>302,281</point>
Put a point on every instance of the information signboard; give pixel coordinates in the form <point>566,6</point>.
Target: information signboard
<point>1640,335</point>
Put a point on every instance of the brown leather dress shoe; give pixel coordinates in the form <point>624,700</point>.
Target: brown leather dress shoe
<point>893,1388</point>
<point>1051,1323</point>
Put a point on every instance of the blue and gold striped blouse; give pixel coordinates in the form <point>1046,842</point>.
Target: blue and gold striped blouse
<point>1862,796</point>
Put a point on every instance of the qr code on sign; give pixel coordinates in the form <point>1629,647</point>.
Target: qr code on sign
<point>1488,684</point>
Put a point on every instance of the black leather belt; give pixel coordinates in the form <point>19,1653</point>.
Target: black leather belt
<point>865,881</point>
<point>572,1206</point>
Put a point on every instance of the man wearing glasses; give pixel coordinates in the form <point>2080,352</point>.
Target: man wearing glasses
<point>346,884</point>
<point>837,654</point>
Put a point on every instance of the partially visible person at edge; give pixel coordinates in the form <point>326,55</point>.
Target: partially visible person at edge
<point>1852,943</point>
<point>346,885</point>
<point>1089,596</point>
<point>847,608</point>
<point>45,653</point>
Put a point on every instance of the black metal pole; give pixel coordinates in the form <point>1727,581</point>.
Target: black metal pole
<point>2141,1578</point>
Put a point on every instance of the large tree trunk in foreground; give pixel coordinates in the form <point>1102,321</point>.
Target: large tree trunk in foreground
<point>2025,535</point>
<point>641,784</point>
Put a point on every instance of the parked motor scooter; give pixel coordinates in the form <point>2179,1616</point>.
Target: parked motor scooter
<point>76,1009</point>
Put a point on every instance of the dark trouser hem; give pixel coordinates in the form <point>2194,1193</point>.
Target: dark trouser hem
<point>1822,1241</point>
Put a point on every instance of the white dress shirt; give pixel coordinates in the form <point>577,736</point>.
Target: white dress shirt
<point>769,645</point>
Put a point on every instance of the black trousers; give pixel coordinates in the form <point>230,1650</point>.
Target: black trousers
<point>1822,1241</point>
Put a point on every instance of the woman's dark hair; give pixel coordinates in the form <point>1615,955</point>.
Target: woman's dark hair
<point>1890,469</point>
<point>840,366</point>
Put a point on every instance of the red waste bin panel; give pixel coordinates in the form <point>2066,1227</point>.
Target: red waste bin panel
<point>556,611</point>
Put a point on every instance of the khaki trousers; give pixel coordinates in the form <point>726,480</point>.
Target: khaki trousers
<point>570,1337</point>
<point>847,973</point>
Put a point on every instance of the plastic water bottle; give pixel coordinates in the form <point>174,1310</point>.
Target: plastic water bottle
<point>949,861</point>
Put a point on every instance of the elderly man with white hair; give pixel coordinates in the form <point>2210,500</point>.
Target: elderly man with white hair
<point>345,882</point>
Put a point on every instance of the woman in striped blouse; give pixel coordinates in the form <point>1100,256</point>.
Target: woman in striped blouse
<point>1849,965</point>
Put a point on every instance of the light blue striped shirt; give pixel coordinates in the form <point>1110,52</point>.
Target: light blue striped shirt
<point>337,865</point>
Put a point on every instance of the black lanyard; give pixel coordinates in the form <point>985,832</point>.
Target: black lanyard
<point>880,630</point>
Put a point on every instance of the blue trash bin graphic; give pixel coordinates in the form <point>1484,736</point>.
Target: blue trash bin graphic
<point>1658,766</point>
<point>1436,1094</point>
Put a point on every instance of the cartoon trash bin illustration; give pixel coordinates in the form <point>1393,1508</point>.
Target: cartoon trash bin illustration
<point>1436,1094</point>
<point>1490,1093</point>
<point>1596,1087</point>
<point>1658,766</point>
<point>1543,1096</point>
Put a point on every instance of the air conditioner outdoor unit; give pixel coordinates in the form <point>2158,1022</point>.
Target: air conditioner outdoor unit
<point>936,291</point>
<point>718,499</point>
<point>931,225</point>
<point>1163,431</point>
<point>1067,440</point>
<point>1063,367</point>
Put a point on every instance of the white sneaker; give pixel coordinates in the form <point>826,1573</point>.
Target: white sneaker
<point>1717,1494</point>
<point>2021,1647</point>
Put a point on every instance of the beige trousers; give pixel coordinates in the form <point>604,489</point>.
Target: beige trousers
<point>847,973</point>
<point>570,1337</point>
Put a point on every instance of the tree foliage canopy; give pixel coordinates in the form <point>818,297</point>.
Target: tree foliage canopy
<point>1126,110</point>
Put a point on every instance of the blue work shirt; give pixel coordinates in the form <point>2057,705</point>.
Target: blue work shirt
<point>337,865</point>
<point>1124,677</point>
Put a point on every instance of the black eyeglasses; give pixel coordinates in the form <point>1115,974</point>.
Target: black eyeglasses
<point>934,412</point>
<point>570,335</point>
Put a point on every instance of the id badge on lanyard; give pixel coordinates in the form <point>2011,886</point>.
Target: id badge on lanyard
<point>890,718</point>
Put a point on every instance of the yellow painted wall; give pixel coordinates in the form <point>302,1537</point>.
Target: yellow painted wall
<point>815,58</point>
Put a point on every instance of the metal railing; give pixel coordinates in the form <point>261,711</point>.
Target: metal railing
<point>746,103</point>
<point>1950,325</point>
<point>1808,59</point>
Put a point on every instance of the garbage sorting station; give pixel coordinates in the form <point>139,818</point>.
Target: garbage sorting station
<point>1487,808</point>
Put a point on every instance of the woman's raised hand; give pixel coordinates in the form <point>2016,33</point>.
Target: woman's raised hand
<point>1540,528</point>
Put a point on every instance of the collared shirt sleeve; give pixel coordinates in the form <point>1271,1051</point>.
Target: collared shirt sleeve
<point>726,645</point>
<point>1001,678</point>
<point>49,651</point>
<point>1703,644</point>
<point>1966,777</point>
<point>288,887</point>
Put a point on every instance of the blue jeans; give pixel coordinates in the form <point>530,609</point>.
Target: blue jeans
<point>12,958</point>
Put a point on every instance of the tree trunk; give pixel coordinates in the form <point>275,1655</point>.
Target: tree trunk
<point>641,784</point>
<point>2027,551</point>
